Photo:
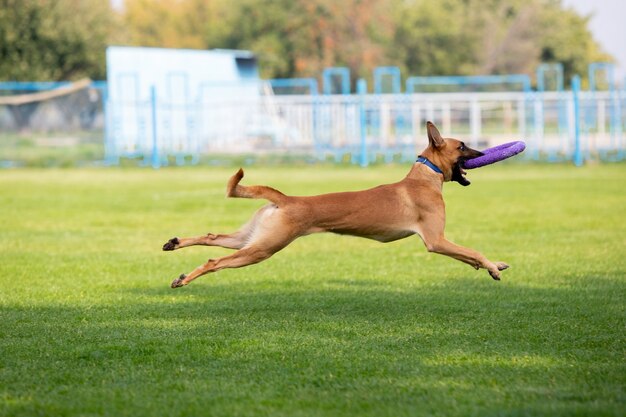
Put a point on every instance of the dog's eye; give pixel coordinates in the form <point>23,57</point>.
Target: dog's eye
<point>462,147</point>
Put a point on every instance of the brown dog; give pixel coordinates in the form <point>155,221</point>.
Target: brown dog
<point>384,213</point>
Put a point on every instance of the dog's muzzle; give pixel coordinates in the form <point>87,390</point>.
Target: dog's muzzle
<point>458,174</point>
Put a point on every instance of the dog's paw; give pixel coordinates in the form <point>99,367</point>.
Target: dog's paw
<point>171,244</point>
<point>178,282</point>
<point>495,274</point>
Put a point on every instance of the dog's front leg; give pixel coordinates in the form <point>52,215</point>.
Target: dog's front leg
<point>431,232</point>
<point>469,256</point>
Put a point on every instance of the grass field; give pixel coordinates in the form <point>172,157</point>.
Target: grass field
<point>330,326</point>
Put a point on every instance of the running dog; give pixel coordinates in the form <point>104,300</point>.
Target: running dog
<point>385,213</point>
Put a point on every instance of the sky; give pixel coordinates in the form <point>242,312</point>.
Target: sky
<point>608,25</point>
<point>117,4</point>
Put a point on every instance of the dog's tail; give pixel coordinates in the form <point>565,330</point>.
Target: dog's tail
<point>234,189</point>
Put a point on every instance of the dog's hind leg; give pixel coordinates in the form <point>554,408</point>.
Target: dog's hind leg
<point>235,240</point>
<point>271,231</point>
<point>243,257</point>
<point>254,253</point>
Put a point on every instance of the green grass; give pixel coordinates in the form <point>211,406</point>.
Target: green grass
<point>331,325</point>
<point>59,149</point>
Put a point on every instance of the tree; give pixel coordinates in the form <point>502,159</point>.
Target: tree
<point>566,39</point>
<point>436,38</point>
<point>301,37</point>
<point>465,37</point>
<point>53,40</point>
<point>298,38</point>
<point>195,24</point>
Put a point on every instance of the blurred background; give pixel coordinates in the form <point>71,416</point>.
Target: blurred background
<point>162,82</point>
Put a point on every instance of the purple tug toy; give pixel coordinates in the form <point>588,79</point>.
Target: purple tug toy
<point>495,154</point>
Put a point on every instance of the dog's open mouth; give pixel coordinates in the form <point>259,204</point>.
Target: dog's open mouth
<point>458,174</point>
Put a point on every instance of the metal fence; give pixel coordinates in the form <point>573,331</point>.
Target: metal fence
<point>366,127</point>
<point>561,125</point>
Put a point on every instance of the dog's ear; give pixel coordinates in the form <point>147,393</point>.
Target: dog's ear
<point>434,137</point>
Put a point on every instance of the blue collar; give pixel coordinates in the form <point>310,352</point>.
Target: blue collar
<point>429,164</point>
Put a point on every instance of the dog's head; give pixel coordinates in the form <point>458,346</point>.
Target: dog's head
<point>448,154</point>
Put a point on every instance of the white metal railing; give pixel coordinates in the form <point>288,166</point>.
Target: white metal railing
<point>387,125</point>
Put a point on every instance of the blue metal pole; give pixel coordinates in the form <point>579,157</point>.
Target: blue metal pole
<point>343,73</point>
<point>578,155</point>
<point>615,118</point>
<point>393,72</point>
<point>557,69</point>
<point>110,153</point>
<point>156,162</point>
<point>464,80</point>
<point>32,85</point>
<point>310,83</point>
<point>361,88</point>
